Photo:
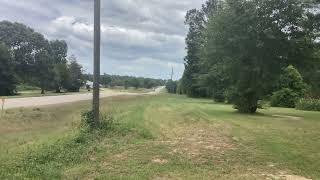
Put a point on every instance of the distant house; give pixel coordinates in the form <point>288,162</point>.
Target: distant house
<point>90,84</point>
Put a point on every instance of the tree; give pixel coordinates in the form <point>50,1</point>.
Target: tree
<point>242,46</point>
<point>42,73</point>
<point>197,21</point>
<point>76,79</point>
<point>20,40</point>
<point>58,52</point>
<point>61,76</point>
<point>105,79</point>
<point>171,87</point>
<point>135,83</point>
<point>290,89</point>
<point>7,75</point>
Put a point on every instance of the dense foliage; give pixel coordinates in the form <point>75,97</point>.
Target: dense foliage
<point>7,79</point>
<point>34,60</point>
<point>172,86</point>
<point>236,50</point>
<point>308,104</point>
<point>291,89</point>
<point>127,81</point>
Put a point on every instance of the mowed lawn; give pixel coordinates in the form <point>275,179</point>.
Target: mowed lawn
<point>160,137</point>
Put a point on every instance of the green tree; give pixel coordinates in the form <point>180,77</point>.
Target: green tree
<point>42,74</point>
<point>22,42</point>
<point>76,79</point>
<point>135,83</point>
<point>7,75</point>
<point>247,43</point>
<point>61,76</point>
<point>291,88</point>
<point>196,20</point>
<point>171,87</point>
<point>58,52</point>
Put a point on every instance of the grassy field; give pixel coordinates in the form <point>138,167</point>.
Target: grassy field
<point>160,137</point>
<point>130,89</point>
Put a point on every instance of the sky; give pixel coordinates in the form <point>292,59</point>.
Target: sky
<point>139,37</point>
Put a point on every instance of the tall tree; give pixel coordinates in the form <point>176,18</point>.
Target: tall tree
<point>7,75</point>
<point>76,79</point>
<point>196,20</point>
<point>59,51</point>
<point>241,47</point>
<point>42,63</point>
<point>19,39</point>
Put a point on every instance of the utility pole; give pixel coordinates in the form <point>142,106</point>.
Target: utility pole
<point>96,64</point>
<point>172,74</point>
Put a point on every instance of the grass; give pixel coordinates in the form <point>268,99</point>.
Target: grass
<point>131,89</point>
<point>159,137</point>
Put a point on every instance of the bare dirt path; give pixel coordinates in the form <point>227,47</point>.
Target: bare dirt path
<point>51,100</point>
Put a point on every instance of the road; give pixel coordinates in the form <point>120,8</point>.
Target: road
<point>52,100</point>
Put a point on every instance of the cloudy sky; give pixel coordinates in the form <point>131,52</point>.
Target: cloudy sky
<point>139,37</point>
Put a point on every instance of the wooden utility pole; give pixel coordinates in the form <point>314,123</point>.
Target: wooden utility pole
<point>172,74</point>
<point>96,64</point>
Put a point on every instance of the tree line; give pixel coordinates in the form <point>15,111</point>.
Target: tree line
<point>27,57</point>
<point>246,51</point>
<point>127,81</point>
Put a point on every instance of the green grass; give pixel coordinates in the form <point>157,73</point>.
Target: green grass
<point>165,136</point>
<point>131,89</point>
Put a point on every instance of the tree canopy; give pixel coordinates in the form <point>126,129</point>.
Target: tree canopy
<point>32,59</point>
<point>236,50</point>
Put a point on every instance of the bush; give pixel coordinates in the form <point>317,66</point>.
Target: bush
<point>218,96</point>
<point>291,89</point>
<point>106,120</point>
<point>308,104</point>
<point>284,98</point>
<point>230,95</point>
<point>246,102</point>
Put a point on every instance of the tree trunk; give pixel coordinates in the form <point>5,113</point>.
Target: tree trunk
<point>42,90</point>
<point>58,90</point>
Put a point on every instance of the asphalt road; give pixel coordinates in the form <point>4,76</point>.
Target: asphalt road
<point>52,100</point>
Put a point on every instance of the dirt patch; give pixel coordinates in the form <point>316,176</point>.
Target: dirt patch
<point>122,156</point>
<point>160,161</point>
<point>286,177</point>
<point>287,117</point>
<point>199,142</point>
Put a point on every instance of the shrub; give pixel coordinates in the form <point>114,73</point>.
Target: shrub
<point>308,104</point>
<point>291,88</point>
<point>219,96</point>
<point>292,79</point>
<point>230,94</point>
<point>284,98</point>
<point>106,120</point>
<point>246,102</point>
